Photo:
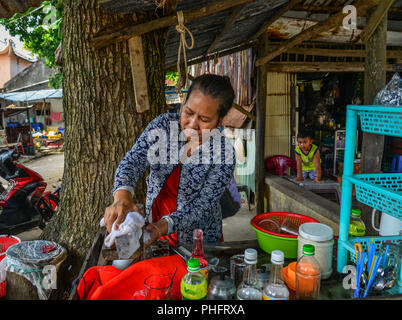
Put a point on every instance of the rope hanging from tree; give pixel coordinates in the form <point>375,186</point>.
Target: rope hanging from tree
<point>182,29</point>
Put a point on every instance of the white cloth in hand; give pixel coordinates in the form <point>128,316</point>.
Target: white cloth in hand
<point>133,223</point>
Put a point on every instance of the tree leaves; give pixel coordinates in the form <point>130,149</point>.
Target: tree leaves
<point>41,31</point>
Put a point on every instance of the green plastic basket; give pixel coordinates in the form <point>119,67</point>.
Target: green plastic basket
<point>269,241</point>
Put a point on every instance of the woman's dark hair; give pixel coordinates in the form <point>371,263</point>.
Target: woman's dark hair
<point>218,87</point>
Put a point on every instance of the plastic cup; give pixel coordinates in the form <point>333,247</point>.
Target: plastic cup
<point>289,227</point>
<point>237,266</point>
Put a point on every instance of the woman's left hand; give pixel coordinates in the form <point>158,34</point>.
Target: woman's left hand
<point>156,230</point>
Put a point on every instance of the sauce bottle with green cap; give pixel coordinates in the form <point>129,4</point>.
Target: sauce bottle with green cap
<point>308,275</point>
<point>357,228</point>
<point>194,285</point>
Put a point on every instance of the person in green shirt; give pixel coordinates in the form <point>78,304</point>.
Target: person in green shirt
<point>307,158</point>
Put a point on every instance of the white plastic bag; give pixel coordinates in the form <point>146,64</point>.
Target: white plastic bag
<point>3,271</point>
<point>127,236</point>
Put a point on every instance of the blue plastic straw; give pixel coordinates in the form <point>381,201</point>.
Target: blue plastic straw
<point>357,289</point>
<point>371,254</point>
<point>373,275</point>
<point>385,255</point>
<point>359,272</point>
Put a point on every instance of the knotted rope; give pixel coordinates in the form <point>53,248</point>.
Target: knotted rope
<point>182,29</point>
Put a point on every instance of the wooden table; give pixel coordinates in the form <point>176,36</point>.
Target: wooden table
<point>331,289</point>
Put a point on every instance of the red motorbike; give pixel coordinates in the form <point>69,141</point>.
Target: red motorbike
<point>24,201</point>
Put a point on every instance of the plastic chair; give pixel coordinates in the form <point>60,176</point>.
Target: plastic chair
<point>279,164</point>
<point>396,164</point>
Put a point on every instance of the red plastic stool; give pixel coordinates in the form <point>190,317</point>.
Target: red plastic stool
<point>278,164</point>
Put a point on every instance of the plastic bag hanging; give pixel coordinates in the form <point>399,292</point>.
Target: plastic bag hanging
<point>391,95</point>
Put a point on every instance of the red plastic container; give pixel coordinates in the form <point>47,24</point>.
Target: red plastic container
<point>279,217</point>
<point>5,243</point>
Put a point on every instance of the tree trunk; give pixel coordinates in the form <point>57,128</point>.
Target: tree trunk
<point>101,122</point>
<point>374,81</point>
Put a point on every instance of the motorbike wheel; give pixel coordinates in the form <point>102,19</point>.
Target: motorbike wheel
<point>50,206</point>
<point>53,201</point>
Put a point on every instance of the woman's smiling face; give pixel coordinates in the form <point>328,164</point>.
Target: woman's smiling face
<point>199,113</point>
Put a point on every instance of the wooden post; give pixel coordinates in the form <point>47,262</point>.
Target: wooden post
<point>139,74</point>
<point>260,125</point>
<point>374,81</point>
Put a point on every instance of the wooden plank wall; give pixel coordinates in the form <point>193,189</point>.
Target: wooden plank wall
<point>278,114</point>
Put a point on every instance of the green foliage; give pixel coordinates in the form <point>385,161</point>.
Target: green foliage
<point>173,76</point>
<point>41,31</point>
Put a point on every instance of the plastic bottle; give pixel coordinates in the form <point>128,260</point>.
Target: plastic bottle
<point>193,285</point>
<point>249,289</point>
<point>198,252</point>
<point>357,228</point>
<point>308,275</point>
<point>276,289</point>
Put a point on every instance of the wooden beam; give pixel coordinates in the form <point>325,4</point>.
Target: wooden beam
<point>375,18</point>
<point>372,146</point>
<point>329,9</point>
<point>319,67</point>
<point>245,112</point>
<point>285,8</point>
<point>233,17</point>
<point>100,40</point>
<point>362,6</point>
<point>139,74</point>
<point>261,107</point>
<point>391,54</point>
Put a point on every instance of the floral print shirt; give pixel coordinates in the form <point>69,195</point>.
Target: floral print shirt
<point>203,178</point>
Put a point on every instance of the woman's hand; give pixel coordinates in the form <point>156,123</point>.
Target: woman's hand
<point>156,230</point>
<point>122,204</point>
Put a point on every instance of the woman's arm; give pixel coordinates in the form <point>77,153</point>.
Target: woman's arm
<point>127,174</point>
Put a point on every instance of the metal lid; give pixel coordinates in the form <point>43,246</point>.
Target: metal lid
<point>316,231</point>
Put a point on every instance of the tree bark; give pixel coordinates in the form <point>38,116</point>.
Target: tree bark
<point>101,122</point>
<point>374,81</point>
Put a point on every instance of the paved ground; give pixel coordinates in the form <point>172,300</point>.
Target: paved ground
<point>50,167</point>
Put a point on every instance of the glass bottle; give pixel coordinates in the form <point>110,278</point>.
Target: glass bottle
<point>198,252</point>
<point>276,289</point>
<point>357,228</point>
<point>308,275</point>
<point>249,289</point>
<point>193,285</point>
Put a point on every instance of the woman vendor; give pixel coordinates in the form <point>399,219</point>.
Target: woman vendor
<point>191,163</point>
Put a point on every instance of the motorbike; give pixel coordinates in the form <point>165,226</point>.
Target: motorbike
<point>24,201</point>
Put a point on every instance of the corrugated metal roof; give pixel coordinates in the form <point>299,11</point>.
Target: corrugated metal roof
<point>251,18</point>
<point>32,95</point>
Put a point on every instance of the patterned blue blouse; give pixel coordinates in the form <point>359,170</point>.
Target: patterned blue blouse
<point>203,178</point>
